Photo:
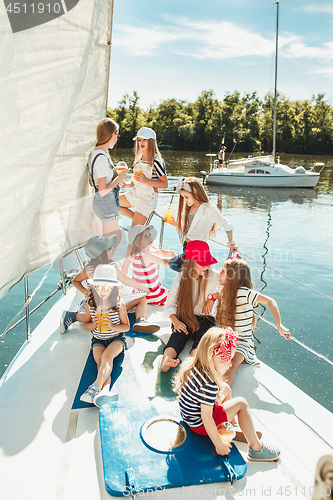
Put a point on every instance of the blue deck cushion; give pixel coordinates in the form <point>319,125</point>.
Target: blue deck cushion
<point>130,466</point>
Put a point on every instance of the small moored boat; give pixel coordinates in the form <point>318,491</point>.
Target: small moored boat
<point>263,172</point>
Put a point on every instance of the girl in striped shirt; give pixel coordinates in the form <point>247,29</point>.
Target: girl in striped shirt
<point>202,402</point>
<point>107,319</point>
<point>236,302</point>
<point>145,260</point>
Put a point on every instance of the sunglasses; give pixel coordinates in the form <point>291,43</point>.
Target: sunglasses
<point>99,288</point>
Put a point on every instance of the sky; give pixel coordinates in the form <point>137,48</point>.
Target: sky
<point>165,49</point>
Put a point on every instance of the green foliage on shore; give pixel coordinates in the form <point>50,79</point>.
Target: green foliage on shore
<point>302,127</point>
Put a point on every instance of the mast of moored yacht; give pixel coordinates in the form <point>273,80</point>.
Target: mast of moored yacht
<point>275,82</point>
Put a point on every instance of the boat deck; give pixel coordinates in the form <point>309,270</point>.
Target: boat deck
<point>49,451</point>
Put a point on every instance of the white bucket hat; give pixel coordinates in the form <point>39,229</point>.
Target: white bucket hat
<point>104,275</point>
<point>145,133</point>
<point>138,229</point>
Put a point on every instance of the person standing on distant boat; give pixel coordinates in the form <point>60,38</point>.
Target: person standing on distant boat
<point>104,178</point>
<point>221,158</point>
<point>235,305</point>
<point>197,218</point>
<point>187,300</point>
<point>149,176</point>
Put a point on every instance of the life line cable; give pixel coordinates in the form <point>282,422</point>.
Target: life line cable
<point>272,324</point>
<point>295,340</point>
<point>275,270</point>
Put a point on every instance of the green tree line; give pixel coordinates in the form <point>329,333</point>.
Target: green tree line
<point>303,127</point>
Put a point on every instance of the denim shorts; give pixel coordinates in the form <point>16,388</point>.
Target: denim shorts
<point>105,207</point>
<point>105,343</point>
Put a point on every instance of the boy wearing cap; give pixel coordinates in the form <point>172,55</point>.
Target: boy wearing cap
<point>189,301</point>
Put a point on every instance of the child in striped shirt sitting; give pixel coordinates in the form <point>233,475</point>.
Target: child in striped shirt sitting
<point>236,302</point>
<point>144,262</point>
<point>202,402</point>
<point>107,319</point>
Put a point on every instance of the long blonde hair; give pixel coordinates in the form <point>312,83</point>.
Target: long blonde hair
<point>203,358</point>
<point>199,193</point>
<point>105,129</point>
<point>238,274</point>
<point>185,292</point>
<point>151,152</point>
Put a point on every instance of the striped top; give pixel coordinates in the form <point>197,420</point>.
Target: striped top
<point>245,302</point>
<point>199,389</point>
<point>148,276</point>
<point>114,316</point>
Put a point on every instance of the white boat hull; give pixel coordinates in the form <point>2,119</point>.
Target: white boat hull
<point>308,180</point>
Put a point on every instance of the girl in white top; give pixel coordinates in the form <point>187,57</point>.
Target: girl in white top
<point>104,178</point>
<point>148,178</point>
<point>197,217</point>
<point>236,302</point>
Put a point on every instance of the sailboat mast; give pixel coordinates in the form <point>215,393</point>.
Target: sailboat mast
<point>275,82</point>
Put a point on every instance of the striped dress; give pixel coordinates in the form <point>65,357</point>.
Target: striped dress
<point>114,316</point>
<point>148,276</point>
<point>199,389</point>
<point>246,299</point>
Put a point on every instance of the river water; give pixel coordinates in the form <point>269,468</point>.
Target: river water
<point>289,230</point>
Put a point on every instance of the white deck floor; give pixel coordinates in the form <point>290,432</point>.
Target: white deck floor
<point>48,451</point>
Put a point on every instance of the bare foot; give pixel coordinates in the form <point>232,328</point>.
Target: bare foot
<point>168,362</point>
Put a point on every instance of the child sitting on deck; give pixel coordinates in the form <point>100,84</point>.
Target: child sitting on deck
<point>107,319</point>
<point>235,308</point>
<point>144,262</point>
<point>201,406</point>
<point>100,250</point>
<point>187,301</point>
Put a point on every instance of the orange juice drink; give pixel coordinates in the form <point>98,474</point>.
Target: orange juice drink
<point>226,431</point>
<point>120,166</point>
<point>137,172</point>
<point>168,213</point>
<point>103,316</point>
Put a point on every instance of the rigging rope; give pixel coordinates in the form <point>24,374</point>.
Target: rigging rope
<point>272,268</point>
<point>295,340</point>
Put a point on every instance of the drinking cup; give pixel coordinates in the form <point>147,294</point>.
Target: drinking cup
<point>121,165</point>
<point>135,174</point>
<point>103,316</point>
<point>226,431</point>
<point>168,213</point>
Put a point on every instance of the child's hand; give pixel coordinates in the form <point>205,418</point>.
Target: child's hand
<point>141,287</point>
<point>179,326</point>
<point>284,331</point>
<point>121,184</point>
<point>140,177</point>
<point>223,448</point>
<point>207,308</point>
<point>122,175</point>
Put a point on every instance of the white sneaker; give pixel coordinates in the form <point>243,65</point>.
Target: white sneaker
<point>104,396</point>
<point>143,326</point>
<point>90,393</point>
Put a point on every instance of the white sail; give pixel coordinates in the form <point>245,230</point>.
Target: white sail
<point>53,92</point>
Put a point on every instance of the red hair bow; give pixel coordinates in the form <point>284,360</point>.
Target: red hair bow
<point>224,349</point>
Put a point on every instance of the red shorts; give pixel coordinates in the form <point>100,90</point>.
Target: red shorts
<point>219,416</point>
